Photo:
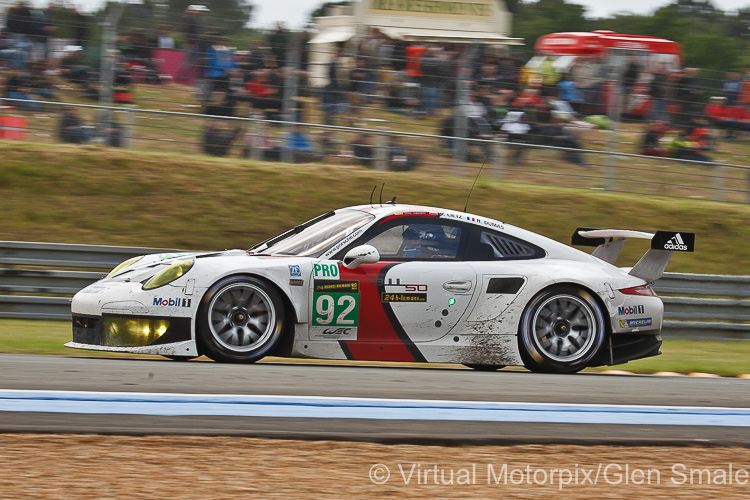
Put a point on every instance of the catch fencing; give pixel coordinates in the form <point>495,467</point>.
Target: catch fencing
<point>37,281</point>
<point>385,143</point>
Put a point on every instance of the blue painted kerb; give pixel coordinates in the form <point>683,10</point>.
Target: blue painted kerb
<point>363,408</point>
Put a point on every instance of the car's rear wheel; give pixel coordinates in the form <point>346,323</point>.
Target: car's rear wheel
<point>240,320</point>
<point>484,368</point>
<point>561,329</point>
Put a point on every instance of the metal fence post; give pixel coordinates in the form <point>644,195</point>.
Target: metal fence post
<point>382,148</point>
<point>460,120</point>
<point>107,72</point>
<point>615,115</point>
<point>127,136</point>
<point>499,158</point>
<point>718,183</point>
<point>257,134</point>
<point>289,106</point>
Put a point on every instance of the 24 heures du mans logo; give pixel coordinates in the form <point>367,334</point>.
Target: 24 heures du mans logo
<point>170,302</point>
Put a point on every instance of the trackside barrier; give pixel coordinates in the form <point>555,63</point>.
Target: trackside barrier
<point>33,286</point>
<point>705,306</point>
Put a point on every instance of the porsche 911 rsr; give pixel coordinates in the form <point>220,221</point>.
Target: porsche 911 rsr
<point>390,282</point>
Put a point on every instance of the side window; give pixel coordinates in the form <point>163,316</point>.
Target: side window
<point>418,241</point>
<point>497,246</point>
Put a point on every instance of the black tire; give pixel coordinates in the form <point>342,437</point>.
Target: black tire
<point>180,358</point>
<point>485,368</point>
<point>561,330</point>
<point>240,320</point>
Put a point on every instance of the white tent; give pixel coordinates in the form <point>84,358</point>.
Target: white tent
<point>465,21</point>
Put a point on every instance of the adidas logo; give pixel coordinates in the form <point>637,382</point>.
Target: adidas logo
<point>676,243</point>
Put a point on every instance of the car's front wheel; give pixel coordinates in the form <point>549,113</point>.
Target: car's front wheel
<point>561,329</point>
<point>240,320</point>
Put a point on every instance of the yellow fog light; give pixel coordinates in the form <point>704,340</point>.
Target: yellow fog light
<point>133,332</point>
<point>168,274</point>
<point>122,266</point>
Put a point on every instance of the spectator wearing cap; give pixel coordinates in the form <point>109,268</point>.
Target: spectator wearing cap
<point>192,30</point>
<point>19,24</point>
<point>75,71</point>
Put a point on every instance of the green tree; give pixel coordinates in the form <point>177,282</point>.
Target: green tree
<point>533,20</point>
<point>227,17</point>
<point>322,10</point>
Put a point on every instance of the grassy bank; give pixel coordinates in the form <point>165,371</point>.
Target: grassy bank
<point>70,194</point>
<point>683,356</point>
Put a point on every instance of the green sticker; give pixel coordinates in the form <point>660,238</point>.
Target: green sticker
<point>335,309</point>
<point>451,301</point>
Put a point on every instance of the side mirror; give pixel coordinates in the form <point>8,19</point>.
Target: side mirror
<point>363,254</point>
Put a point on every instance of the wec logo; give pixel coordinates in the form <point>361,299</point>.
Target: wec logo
<point>158,301</point>
<point>337,331</point>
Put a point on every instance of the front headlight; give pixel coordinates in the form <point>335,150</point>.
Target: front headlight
<point>169,274</point>
<point>125,264</point>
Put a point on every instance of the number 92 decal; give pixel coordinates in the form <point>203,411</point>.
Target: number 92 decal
<point>336,308</point>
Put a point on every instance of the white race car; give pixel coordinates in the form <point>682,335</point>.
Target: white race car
<point>390,282</point>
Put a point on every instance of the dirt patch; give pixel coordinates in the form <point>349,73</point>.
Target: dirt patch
<point>76,466</point>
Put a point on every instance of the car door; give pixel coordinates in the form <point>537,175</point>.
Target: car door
<point>420,288</point>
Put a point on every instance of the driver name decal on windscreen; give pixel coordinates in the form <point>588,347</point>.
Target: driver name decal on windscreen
<point>335,312</point>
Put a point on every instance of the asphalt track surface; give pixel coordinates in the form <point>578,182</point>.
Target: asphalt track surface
<point>71,373</point>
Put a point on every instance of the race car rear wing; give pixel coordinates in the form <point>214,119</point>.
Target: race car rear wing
<point>609,243</point>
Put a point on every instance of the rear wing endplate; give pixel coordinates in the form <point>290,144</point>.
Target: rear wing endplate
<point>609,243</point>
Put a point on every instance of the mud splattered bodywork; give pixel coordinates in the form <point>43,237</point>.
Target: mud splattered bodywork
<point>386,282</point>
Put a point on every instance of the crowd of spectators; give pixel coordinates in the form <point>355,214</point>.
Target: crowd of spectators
<point>473,91</point>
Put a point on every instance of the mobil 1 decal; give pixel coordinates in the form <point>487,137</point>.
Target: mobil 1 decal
<point>335,312</point>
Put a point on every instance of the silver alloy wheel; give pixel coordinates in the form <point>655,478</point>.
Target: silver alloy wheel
<point>241,317</point>
<point>564,328</point>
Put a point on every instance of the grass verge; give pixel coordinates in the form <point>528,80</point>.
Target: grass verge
<point>70,194</point>
<point>727,358</point>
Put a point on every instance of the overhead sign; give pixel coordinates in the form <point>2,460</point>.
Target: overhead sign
<point>477,9</point>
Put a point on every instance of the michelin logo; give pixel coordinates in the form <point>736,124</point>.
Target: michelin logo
<point>676,243</point>
<point>635,323</point>
<point>158,301</point>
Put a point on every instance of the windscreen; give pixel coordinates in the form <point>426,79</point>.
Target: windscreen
<point>315,239</point>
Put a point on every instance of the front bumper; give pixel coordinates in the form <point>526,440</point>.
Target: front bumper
<point>122,317</point>
<point>129,331</point>
<point>167,336</point>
